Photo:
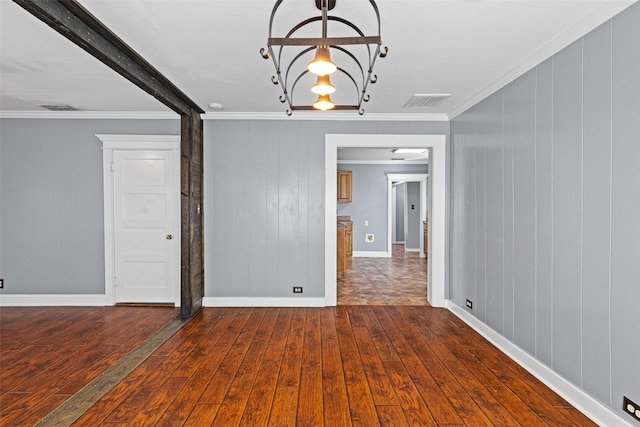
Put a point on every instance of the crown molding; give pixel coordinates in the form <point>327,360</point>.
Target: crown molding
<point>327,115</point>
<point>576,32</point>
<point>224,115</point>
<point>96,115</point>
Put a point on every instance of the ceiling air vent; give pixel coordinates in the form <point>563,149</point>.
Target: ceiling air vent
<point>59,107</point>
<point>419,100</point>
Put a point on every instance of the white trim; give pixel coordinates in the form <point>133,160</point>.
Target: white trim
<point>409,177</point>
<point>327,115</point>
<point>394,208</point>
<point>437,217</point>
<point>139,142</point>
<point>370,254</point>
<point>579,30</point>
<point>226,115</point>
<point>112,142</point>
<point>95,115</point>
<point>262,302</point>
<point>52,300</point>
<point>586,404</point>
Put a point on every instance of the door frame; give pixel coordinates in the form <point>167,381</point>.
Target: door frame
<point>437,216</point>
<point>407,177</point>
<point>137,142</point>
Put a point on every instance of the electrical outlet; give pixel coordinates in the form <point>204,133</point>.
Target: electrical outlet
<point>297,289</point>
<point>470,304</point>
<point>631,408</point>
<point>1,283</point>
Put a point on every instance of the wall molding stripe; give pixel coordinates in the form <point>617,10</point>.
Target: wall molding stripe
<point>586,404</point>
<point>164,115</point>
<point>52,300</point>
<point>94,115</point>
<point>262,302</point>
<point>378,117</point>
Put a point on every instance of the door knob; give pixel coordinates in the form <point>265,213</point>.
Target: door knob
<point>169,236</point>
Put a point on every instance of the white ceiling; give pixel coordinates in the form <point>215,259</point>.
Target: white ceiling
<point>210,50</point>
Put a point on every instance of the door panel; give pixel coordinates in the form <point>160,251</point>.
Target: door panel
<point>143,221</point>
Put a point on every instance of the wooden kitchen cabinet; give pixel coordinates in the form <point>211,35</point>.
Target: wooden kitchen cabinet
<point>348,239</point>
<point>344,186</point>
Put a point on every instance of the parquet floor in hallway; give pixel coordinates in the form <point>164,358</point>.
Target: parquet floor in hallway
<point>399,280</point>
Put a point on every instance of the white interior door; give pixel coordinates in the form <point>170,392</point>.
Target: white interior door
<point>144,238</point>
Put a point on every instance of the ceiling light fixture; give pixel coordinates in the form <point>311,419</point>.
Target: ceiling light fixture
<point>409,150</point>
<point>355,64</point>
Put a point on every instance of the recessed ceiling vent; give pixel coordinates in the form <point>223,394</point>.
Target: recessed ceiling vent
<point>60,107</point>
<point>425,100</point>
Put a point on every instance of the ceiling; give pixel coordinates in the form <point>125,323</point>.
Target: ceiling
<point>210,50</point>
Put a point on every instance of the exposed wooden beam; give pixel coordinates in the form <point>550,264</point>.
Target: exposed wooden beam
<point>191,168</point>
<point>77,24</point>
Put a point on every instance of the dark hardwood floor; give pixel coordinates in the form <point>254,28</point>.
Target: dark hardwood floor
<point>49,353</point>
<point>334,366</point>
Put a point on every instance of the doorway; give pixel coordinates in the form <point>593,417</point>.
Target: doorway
<point>413,215</point>
<point>437,173</point>
<point>142,218</point>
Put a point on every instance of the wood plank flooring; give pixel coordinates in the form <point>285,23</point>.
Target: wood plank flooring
<point>335,366</point>
<point>49,353</point>
<point>399,280</point>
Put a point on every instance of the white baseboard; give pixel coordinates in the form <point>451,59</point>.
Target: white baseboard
<point>370,254</point>
<point>411,249</point>
<point>262,302</point>
<point>596,411</point>
<point>53,300</point>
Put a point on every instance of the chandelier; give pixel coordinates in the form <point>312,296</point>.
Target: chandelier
<point>308,59</point>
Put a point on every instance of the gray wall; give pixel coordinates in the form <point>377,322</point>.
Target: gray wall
<point>545,209</point>
<point>400,196</point>
<point>370,202</point>
<point>264,202</point>
<point>51,202</point>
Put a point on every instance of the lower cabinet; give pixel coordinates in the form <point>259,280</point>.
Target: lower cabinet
<point>348,239</point>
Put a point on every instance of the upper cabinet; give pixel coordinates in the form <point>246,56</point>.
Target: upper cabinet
<point>344,186</point>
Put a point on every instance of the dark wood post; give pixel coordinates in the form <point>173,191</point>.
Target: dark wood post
<point>191,166</point>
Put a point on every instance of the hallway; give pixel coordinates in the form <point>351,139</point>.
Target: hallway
<point>399,280</point>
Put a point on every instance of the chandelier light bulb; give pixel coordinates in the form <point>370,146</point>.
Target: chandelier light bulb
<point>323,86</point>
<point>322,64</point>
<point>323,102</point>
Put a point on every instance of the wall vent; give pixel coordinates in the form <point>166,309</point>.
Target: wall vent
<point>425,100</point>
